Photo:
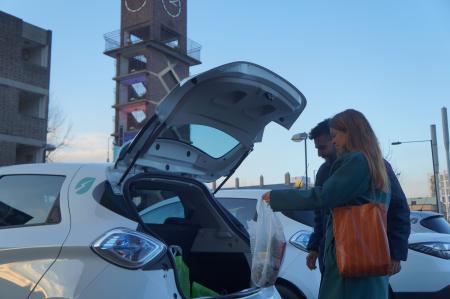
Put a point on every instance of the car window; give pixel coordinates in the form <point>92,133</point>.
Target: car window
<point>244,209</point>
<point>29,200</point>
<point>157,206</point>
<point>209,140</point>
<point>436,223</point>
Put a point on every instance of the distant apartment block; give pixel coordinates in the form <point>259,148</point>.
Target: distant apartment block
<point>24,88</point>
<point>422,203</point>
<point>444,190</point>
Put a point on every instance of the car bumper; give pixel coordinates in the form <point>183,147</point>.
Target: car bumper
<point>255,293</point>
<point>441,294</point>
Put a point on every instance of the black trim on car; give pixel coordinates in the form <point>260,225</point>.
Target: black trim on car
<point>232,221</point>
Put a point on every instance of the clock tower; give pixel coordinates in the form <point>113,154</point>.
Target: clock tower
<point>152,55</point>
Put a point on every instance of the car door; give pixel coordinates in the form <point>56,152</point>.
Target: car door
<point>34,222</point>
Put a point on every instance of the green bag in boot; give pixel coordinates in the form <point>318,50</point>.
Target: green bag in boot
<point>200,291</point>
<point>183,276</point>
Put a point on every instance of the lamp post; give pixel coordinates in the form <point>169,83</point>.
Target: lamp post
<point>299,137</point>
<point>109,145</point>
<point>436,182</point>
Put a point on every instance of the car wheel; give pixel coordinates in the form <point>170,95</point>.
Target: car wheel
<point>287,293</point>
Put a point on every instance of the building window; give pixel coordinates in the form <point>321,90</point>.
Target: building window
<point>137,90</point>
<point>32,104</point>
<point>170,38</point>
<point>135,120</point>
<point>137,63</point>
<point>137,35</point>
<point>26,154</point>
<point>34,53</point>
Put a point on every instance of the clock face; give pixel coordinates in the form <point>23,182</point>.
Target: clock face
<point>135,5</point>
<point>172,7</point>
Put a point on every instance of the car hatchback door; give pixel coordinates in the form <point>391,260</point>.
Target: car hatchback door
<point>208,124</point>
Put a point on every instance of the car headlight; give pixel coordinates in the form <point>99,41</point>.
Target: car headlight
<point>437,249</point>
<point>301,239</point>
<point>128,248</point>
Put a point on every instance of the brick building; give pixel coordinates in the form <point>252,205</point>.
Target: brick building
<point>152,55</point>
<point>24,87</point>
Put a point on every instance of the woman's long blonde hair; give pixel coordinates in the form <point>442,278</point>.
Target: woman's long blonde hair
<point>361,138</point>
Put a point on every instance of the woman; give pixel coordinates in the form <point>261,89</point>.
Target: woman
<point>358,176</point>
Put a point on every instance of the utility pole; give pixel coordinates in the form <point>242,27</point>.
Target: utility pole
<point>435,167</point>
<point>446,145</point>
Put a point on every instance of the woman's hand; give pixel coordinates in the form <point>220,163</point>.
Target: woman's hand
<point>395,267</point>
<point>266,197</point>
<point>311,259</point>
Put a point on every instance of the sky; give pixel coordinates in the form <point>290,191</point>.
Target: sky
<point>387,59</point>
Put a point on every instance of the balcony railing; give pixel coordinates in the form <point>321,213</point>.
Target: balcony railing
<point>113,41</point>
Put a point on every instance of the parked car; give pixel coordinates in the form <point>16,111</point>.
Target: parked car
<point>425,222</point>
<point>426,274</point>
<point>88,231</point>
<point>295,280</point>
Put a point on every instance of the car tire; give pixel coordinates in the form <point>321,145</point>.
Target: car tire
<point>287,293</point>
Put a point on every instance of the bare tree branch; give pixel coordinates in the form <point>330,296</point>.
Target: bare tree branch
<point>59,130</point>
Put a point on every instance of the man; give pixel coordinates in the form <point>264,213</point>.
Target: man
<point>398,228</point>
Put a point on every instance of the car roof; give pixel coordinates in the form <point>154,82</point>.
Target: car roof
<point>242,193</point>
<point>47,168</point>
<point>428,237</point>
<point>424,214</point>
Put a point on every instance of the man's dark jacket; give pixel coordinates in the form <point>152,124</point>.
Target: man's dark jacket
<point>398,228</point>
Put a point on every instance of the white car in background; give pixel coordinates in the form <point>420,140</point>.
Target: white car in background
<point>428,222</point>
<point>102,231</point>
<point>425,275</point>
<point>295,280</point>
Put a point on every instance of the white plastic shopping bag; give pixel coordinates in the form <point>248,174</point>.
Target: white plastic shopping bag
<point>268,244</point>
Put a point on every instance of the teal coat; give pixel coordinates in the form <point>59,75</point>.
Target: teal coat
<point>349,184</point>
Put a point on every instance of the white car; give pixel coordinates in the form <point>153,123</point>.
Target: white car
<point>90,231</point>
<point>426,273</point>
<point>295,280</point>
<point>426,222</point>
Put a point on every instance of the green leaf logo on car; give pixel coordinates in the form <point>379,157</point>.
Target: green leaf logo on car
<point>84,185</point>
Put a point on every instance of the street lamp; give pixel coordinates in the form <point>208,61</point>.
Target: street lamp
<point>299,137</point>
<point>436,182</point>
<point>109,145</point>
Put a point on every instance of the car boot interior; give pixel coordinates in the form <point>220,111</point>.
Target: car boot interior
<point>182,213</point>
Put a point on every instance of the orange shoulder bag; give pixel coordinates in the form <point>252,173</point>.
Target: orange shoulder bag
<point>362,247</point>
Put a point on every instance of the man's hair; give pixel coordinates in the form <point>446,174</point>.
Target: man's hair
<point>322,128</point>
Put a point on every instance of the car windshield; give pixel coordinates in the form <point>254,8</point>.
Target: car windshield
<point>209,140</point>
<point>436,223</point>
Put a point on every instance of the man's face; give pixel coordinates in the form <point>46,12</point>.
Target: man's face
<point>325,148</point>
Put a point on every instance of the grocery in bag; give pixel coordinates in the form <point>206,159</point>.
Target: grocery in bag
<point>268,244</point>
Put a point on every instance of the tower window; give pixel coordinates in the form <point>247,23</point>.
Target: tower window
<point>170,38</point>
<point>137,35</point>
<point>137,90</point>
<point>135,120</point>
<point>137,63</point>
